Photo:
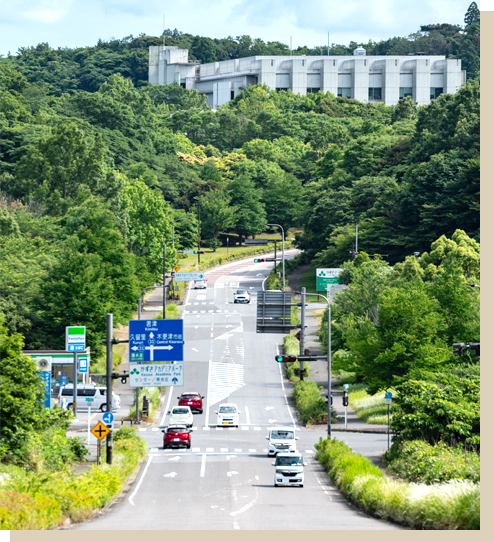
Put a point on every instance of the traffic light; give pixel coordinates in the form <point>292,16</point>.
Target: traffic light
<point>285,359</point>
<point>259,260</point>
<point>459,348</point>
<point>476,347</point>
<point>345,400</point>
<point>198,251</point>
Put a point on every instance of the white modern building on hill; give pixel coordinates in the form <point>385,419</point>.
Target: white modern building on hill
<point>364,78</point>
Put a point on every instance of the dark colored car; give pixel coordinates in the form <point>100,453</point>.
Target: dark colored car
<point>191,399</point>
<point>176,436</point>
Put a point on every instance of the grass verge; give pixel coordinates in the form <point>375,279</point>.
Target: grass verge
<point>35,501</point>
<point>309,402</point>
<point>154,397</point>
<point>451,505</point>
<point>369,408</point>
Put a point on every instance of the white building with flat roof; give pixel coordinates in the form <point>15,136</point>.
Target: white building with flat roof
<point>365,78</point>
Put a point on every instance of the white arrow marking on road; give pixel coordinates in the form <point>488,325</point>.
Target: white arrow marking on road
<point>171,475</point>
<point>176,458</point>
<point>195,350</point>
<point>231,472</point>
<point>197,327</point>
<point>259,274</point>
<point>269,408</point>
<point>272,421</point>
<point>230,456</point>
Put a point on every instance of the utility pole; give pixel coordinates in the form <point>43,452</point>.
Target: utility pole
<point>302,331</point>
<point>109,382</point>
<point>164,281</point>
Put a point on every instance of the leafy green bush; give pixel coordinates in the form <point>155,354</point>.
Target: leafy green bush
<point>451,505</point>
<point>418,461</point>
<point>447,410</point>
<point>310,404</point>
<point>154,397</point>
<point>30,500</point>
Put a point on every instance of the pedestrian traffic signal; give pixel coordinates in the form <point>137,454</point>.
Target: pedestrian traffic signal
<point>285,359</point>
<point>345,400</point>
<point>259,260</point>
<point>458,348</point>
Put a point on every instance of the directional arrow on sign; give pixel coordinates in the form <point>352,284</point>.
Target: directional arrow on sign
<point>135,348</point>
<point>153,348</point>
<point>151,334</point>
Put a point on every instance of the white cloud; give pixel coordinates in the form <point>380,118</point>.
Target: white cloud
<point>43,11</point>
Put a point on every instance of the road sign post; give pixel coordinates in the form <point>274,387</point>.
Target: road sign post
<point>109,381</point>
<point>388,401</point>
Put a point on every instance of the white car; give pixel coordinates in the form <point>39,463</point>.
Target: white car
<point>199,284</point>
<point>227,415</point>
<point>289,470</point>
<point>281,439</point>
<point>181,415</point>
<point>241,296</point>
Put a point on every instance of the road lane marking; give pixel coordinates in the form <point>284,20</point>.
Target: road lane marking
<point>140,481</point>
<point>247,415</point>
<point>257,428</point>
<point>244,428</point>
<point>237,449</point>
<point>170,475</point>
<point>209,449</point>
<point>155,429</point>
<point>252,451</point>
<point>203,465</point>
<point>223,449</point>
<point>154,449</point>
<point>196,449</point>
<point>142,429</point>
<point>170,392</point>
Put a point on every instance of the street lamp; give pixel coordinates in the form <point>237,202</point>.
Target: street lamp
<point>283,252</point>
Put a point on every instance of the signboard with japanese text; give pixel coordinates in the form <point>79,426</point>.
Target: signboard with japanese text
<point>327,276</point>
<point>156,340</point>
<point>75,338</point>
<point>156,374</point>
<point>184,276</point>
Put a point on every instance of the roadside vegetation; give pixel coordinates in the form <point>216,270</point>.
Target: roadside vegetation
<point>369,408</point>
<point>453,505</point>
<point>47,498</point>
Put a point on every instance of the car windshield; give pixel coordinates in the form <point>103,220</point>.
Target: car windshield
<point>228,410</point>
<point>180,411</point>
<point>190,396</point>
<point>241,291</point>
<point>176,430</point>
<point>293,461</point>
<point>285,435</point>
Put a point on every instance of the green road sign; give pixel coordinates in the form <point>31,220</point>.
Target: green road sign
<point>327,276</point>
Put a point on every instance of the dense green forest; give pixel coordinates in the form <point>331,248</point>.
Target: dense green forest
<point>96,165</point>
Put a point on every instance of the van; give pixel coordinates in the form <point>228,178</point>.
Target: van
<point>289,470</point>
<point>98,396</point>
<point>281,439</point>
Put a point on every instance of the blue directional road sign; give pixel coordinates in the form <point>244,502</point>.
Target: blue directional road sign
<point>388,395</point>
<point>156,340</point>
<point>107,418</point>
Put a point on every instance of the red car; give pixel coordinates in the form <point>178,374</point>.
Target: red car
<point>191,399</point>
<point>176,436</point>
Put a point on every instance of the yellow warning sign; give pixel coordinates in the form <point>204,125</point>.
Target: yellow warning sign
<point>177,268</point>
<point>100,430</point>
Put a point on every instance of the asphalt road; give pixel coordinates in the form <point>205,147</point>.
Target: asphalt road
<point>225,481</point>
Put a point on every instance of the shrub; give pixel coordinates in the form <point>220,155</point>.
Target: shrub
<point>369,408</point>
<point>450,505</point>
<point>310,404</point>
<point>418,461</point>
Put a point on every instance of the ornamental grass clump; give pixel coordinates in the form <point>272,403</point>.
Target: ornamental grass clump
<point>450,505</point>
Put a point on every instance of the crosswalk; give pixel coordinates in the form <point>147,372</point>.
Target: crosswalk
<point>209,427</point>
<point>220,451</point>
<point>224,380</point>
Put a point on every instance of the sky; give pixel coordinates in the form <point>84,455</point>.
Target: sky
<point>80,23</point>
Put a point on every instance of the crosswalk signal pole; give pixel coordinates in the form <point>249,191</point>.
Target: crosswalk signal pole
<point>109,382</point>
<point>302,332</point>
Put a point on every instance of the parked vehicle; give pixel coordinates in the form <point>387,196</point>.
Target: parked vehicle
<point>241,296</point>
<point>281,439</point>
<point>97,394</point>
<point>228,414</point>
<point>176,436</point>
<point>289,470</point>
<point>181,415</point>
<point>191,399</point>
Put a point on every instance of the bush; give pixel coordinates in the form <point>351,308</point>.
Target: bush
<point>30,500</point>
<point>310,404</point>
<point>418,461</point>
<point>369,408</point>
<point>451,505</point>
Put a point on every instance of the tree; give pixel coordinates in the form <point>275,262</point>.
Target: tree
<point>250,217</point>
<point>217,213</point>
<point>21,393</point>
<point>283,198</point>
<point>56,168</point>
<point>472,15</point>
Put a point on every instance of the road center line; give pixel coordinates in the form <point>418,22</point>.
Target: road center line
<point>140,481</point>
